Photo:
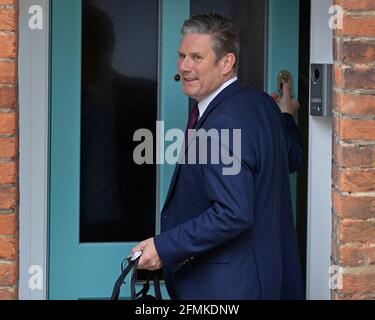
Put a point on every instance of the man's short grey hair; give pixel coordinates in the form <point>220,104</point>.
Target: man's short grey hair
<point>223,31</point>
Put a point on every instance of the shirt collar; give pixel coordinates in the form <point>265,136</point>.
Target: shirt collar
<point>203,104</point>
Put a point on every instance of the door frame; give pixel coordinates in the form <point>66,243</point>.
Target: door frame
<point>33,72</point>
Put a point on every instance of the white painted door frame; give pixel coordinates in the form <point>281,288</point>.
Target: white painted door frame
<point>33,71</point>
<point>319,176</point>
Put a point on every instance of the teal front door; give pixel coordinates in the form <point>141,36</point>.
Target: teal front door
<point>100,203</point>
<point>89,123</point>
<point>283,53</point>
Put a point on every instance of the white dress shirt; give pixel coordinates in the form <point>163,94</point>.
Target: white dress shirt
<point>202,105</point>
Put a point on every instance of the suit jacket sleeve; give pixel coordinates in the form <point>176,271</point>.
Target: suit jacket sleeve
<point>231,212</point>
<point>292,138</point>
<point>293,143</point>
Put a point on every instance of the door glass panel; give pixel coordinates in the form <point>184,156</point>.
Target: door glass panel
<point>119,96</point>
<point>250,17</point>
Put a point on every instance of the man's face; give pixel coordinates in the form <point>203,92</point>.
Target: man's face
<point>199,69</point>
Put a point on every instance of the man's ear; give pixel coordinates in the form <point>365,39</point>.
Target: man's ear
<point>228,62</point>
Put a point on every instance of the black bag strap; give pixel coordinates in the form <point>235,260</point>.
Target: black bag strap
<point>121,278</point>
<point>132,266</point>
<point>146,286</point>
<point>133,280</point>
<point>156,276</point>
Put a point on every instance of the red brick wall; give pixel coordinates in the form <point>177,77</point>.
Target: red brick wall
<point>8,150</point>
<point>353,172</point>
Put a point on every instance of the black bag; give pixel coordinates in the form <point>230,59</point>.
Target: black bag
<point>142,294</point>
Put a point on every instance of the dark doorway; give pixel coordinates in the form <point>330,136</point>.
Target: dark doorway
<point>303,125</point>
<point>250,17</point>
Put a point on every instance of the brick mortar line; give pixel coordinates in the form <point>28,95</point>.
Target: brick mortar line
<point>341,38</point>
<point>351,270</point>
<point>357,92</point>
<point>358,244</point>
<point>14,31</point>
<point>11,57</point>
<point>7,186</point>
<point>15,237</point>
<point>348,116</point>
<point>3,261</point>
<point>342,115</point>
<point>360,13</point>
<point>346,39</point>
<point>8,6</point>
<point>8,60</point>
<point>8,85</point>
<point>9,287</point>
<point>346,66</point>
<point>350,169</point>
<point>354,143</point>
<point>354,169</point>
<point>336,187</point>
<point>361,92</point>
<point>358,220</point>
<point>8,33</point>
<point>337,64</point>
<point>8,160</point>
<point>356,65</point>
<point>7,110</point>
<point>343,169</point>
<point>7,212</point>
<point>13,84</point>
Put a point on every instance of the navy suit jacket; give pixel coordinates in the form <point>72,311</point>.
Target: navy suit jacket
<point>233,236</point>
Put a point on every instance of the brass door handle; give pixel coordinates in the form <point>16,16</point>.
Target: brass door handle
<point>284,76</point>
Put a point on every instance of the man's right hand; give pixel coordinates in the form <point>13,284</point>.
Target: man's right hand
<point>286,102</point>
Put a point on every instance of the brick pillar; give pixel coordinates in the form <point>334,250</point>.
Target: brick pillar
<point>8,150</point>
<point>353,194</point>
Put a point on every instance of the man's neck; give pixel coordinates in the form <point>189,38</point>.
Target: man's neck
<point>203,104</point>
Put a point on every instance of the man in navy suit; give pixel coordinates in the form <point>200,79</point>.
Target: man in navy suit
<point>229,236</point>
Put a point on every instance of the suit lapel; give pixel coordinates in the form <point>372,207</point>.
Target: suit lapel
<point>229,91</point>
<point>232,89</point>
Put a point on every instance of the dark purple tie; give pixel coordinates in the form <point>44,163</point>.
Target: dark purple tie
<point>192,120</point>
<point>193,117</point>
